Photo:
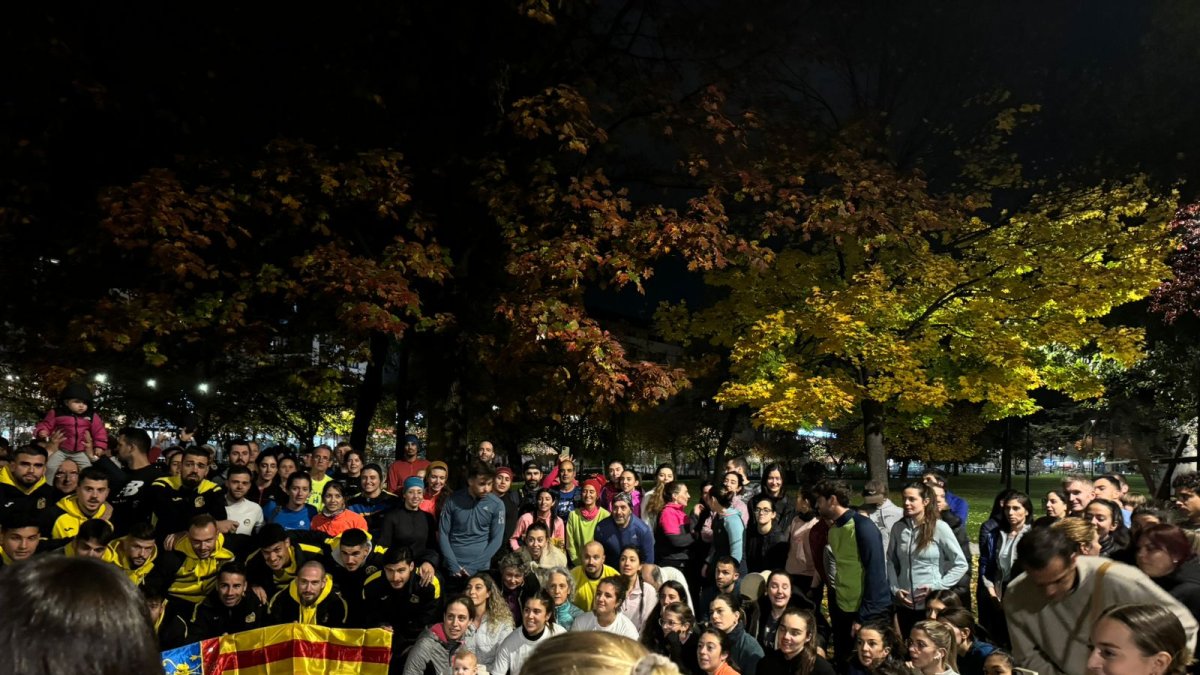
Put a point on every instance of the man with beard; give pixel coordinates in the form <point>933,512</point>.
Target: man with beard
<point>176,500</point>
<point>19,536</point>
<point>415,529</point>
<point>23,482</point>
<point>373,502</point>
<point>135,552</point>
<point>247,514</point>
<point>274,565</point>
<point>89,502</point>
<point>189,571</point>
<point>131,485</point>
<point>228,608</point>
<point>623,529</point>
<point>352,559</point>
<point>533,482</point>
<point>395,598</point>
<point>411,464</point>
<point>512,501</point>
<point>588,575</point>
<point>310,600</point>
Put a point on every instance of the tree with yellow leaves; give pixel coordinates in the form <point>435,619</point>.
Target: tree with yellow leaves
<point>888,297</point>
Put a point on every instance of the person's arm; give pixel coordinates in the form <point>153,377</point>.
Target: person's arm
<point>647,544</point>
<point>1026,651</point>
<point>551,479</point>
<point>45,427</point>
<point>445,523</point>
<point>952,552</point>
<point>420,656</point>
<point>430,555</point>
<point>737,539</point>
<point>877,598</point>
<point>893,562</point>
<point>99,433</point>
<point>495,531</point>
<point>523,524</point>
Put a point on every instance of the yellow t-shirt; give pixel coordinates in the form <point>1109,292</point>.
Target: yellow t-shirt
<point>585,588</point>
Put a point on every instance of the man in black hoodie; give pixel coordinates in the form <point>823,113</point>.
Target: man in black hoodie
<point>228,608</point>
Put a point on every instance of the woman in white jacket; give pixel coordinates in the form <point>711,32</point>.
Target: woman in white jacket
<point>923,555</point>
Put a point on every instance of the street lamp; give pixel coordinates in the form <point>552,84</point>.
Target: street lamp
<point>202,388</point>
<point>101,378</point>
<point>152,383</point>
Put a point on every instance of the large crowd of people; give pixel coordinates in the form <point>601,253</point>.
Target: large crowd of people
<point>505,570</point>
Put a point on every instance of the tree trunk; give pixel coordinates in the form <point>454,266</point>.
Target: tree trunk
<point>1164,487</point>
<point>872,413</point>
<point>723,443</point>
<point>403,405</point>
<point>370,390</point>
<point>1006,457</point>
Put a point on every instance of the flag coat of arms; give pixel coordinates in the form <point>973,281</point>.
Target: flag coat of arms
<point>290,648</point>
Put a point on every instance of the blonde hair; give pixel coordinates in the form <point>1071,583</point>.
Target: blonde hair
<point>595,653</point>
<point>943,637</point>
<point>1081,532</point>
<point>1132,500</point>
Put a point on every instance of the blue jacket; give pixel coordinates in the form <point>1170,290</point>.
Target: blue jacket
<point>958,505</point>
<point>470,531</point>
<point>861,586</point>
<point>613,539</point>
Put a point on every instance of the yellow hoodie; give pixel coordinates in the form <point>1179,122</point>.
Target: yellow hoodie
<point>308,615</point>
<point>138,575</point>
<point>196,577</point>
<point>6,478</point>
<point>66,526</point>
<point>70,552</point>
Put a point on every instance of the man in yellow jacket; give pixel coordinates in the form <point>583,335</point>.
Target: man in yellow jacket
<point>89,502</point>
<point>189,572</point>
<point>136,552</point>
<point>23,482</point>
<point>310,599</point>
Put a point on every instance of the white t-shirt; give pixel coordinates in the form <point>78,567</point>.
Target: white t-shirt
<point>516,648</point>
<point>622,626</point>
<point>249,516</point>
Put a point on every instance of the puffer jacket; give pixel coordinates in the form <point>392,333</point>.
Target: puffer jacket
<point>72,425</point>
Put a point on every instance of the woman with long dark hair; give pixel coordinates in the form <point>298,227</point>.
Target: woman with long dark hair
<point>655,498</point>
<point>544,512</point>
<point>1109,519</point>
<point>996,567</point>
<point>772,487</point>
<point>923,555</point>
<point>726,614</point>
<point>795,649</point>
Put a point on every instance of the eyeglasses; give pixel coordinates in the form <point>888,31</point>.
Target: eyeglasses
<point>764,510</point>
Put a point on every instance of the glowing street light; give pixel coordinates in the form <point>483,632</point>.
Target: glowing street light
<point>152,383</point>
<point>202,388</point>
<point>101,378</point>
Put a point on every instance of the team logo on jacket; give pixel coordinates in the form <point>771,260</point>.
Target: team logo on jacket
<point>41,503</point>
<point>199,502</point>
<point>413,599</point>
<point>371,570</point>
<point>250,617</point>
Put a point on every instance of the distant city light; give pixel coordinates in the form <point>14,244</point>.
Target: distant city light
<point>152,383</point>
<point>203,388</point>
<point>101,378</point>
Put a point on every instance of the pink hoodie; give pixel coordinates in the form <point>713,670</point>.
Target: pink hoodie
<point>672,519</point>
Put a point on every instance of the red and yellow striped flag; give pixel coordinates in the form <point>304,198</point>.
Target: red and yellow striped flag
<point>301,650</point>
